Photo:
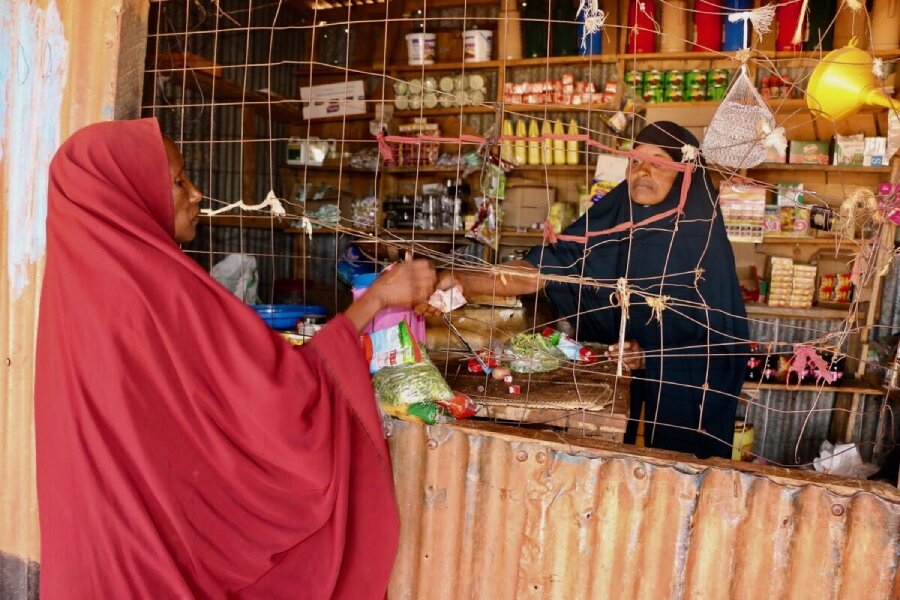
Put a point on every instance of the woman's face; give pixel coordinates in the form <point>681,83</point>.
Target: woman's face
<point>649,183</point>
<point>185,197</point>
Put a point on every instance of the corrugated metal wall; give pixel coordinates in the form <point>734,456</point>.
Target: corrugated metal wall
<point>63,64</point>
<point>496,512</point>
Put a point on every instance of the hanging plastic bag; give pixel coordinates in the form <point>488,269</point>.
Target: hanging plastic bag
<point>411,383</point>
<point>238,274</point>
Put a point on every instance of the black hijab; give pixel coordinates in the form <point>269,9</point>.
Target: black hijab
<point>687,257</point>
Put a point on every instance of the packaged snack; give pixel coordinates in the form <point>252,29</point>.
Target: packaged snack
<point>429,413</point>
<point>390,347</point>
<point>460,406</point>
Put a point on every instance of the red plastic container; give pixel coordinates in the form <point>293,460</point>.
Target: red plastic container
<point>641,30</point>
<point>788,15</point>
<point>707,26</point>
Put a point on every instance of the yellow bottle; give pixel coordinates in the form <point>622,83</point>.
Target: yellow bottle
<point>534,143</point>
<point>521,151</point>
<point>546,143</point>
<point>572,145</point>
<point>559,146</point>
<point>506,146</point>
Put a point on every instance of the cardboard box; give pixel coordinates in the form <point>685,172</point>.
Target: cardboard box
<point>333,99</point>
<point>743,211</point>
<point>874,152</point>
<point>526,205</point>
<point>808,153</point>
<point>788,194</point>
<point>848,149</point>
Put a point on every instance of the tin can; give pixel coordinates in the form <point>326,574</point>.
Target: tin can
<point>696,93</point>
<point>653,78</point>
<point>673,93</point>
<point>634,78</point>
<point>508,379</point>
<point>515,389</point>
<point>696,76</point>
<point>653,93</point>
<point>716,92</point>
<point>718,77</point>
<point>674,77</point>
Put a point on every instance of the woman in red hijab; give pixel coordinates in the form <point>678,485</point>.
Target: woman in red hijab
<point>183,449</point>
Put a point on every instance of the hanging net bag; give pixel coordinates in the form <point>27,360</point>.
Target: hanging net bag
<point>739,132</point>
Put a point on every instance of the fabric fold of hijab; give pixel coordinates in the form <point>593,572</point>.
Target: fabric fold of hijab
<point>183,448</point>
<point>687,258</point>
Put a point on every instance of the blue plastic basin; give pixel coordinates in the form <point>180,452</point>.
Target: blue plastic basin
<point>285,316</point>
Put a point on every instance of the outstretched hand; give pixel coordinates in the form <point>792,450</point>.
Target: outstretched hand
<point>405,284</point>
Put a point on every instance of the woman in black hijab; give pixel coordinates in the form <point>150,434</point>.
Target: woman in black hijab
<point>688,360</point>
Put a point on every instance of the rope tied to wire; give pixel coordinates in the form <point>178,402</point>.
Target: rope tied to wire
<point>621,297</point>
<point>657,305</point>
<point>761,18</point>
<point>271,200</point>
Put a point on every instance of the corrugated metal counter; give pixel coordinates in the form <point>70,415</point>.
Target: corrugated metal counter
<point>498,512</point>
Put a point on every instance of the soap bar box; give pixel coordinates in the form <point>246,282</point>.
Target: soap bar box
<point>808,153</point>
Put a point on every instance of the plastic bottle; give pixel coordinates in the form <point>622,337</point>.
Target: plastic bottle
<point>520,149</point>
<point>506,147</point>
<point>559,146</point>
<point>534,143</point>
<point>509,34</point>
<point>592,44</point>
<point>734,32</point>
<point>534,28</point>
<point>572,145</point>
<point>546,143</point>
<point>707,26</point>
<point>674,26</point>
<point>788,16</point>
<point>820,29</point>
<point>563,30</point>
<point>641,32</point>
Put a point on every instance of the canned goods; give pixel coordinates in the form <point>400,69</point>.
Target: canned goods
<point>508,379</point>
<point>718,77</point>
<point>414,87</point>
<point>673,93</point>
<point>716,92</point>
<point>476,82</point>
<point>653,78</point>
<point>675,78</point>
<point>401,103</point>
<point>634,78</point>
<point>653,93</point>
<point>696,93</point>
<point>446,84</point>
<point>515,389</point>
<point>429,100</point>
<point>696,77</point>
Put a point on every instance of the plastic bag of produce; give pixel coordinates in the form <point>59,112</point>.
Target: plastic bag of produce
<point>411,383</point>
<point>533,353</point>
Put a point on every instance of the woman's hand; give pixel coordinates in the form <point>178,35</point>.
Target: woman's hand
<point>445,281</point>
<point>632,355</point>
<point>406,284</point>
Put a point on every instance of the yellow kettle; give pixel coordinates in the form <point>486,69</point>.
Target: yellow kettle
<point>843,83</point>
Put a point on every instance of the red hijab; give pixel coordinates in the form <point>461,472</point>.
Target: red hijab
<point>183,449</point>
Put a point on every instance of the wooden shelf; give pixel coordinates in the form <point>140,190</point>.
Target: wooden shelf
<point>852,386</point>
<point>824,241</point>
<point>785,312</point>
<point>825,168</point>
<point>251,222</point>
<point>574,61</point>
